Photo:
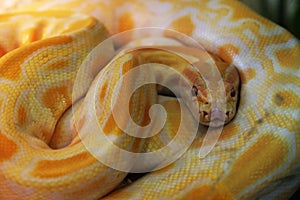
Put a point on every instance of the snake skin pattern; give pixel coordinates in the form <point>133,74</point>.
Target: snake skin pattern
<point>42,45</point>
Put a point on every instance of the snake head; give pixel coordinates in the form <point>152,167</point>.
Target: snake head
<point>212,112</point>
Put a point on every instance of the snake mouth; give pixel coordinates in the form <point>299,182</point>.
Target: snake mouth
<point>217,123</point>
<point>215,118</point>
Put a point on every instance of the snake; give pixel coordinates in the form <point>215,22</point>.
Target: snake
<point>46,148</point>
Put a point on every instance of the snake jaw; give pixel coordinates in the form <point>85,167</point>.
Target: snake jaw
<point>214,118</point>
<point>217,115</point>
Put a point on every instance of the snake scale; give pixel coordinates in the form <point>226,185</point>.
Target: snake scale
<point>43,44</point>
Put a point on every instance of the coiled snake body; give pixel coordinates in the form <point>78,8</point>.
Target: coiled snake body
<point>42,153</point>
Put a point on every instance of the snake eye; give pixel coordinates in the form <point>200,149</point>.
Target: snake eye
<point>232,93</point>
<point>194,91</point>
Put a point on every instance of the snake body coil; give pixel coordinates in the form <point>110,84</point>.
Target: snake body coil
<point>43,149</point>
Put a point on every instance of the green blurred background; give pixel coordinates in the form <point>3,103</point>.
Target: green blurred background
<point>286,13</point>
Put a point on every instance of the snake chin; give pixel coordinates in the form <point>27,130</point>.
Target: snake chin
<point>215,118</point>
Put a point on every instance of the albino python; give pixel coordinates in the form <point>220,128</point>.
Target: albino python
<point>43,154</point>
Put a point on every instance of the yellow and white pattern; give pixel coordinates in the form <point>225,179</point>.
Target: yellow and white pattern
<point>43,43</point>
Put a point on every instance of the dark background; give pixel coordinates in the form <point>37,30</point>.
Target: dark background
<point>286,13</point>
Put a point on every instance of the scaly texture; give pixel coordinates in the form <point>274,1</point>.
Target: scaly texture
<point>42,46</point>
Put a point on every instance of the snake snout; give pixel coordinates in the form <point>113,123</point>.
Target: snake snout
<point>218,114</point>
<point>216,117</point>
